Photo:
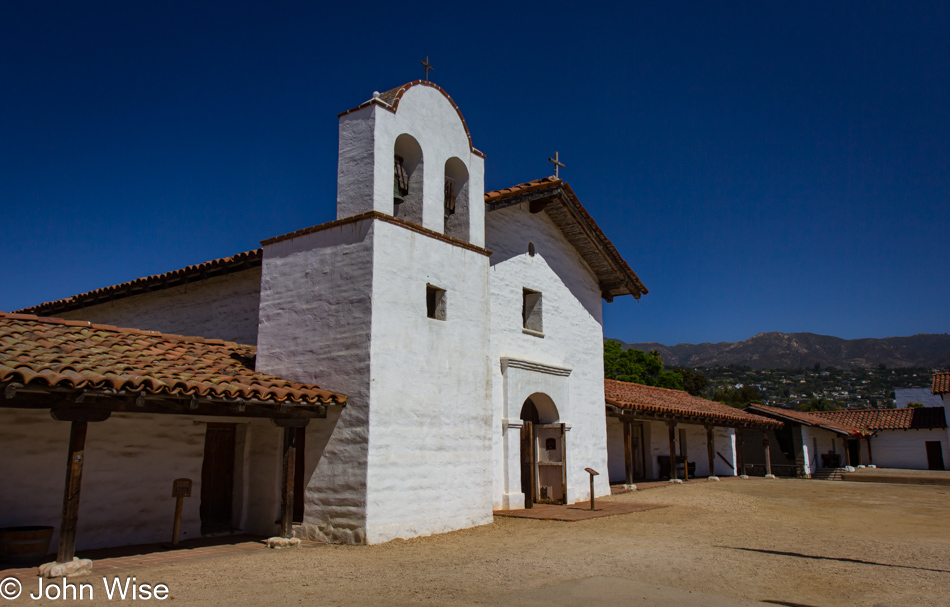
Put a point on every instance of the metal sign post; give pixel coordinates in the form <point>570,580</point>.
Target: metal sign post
<point>592,473</point>
<point>181,488</point>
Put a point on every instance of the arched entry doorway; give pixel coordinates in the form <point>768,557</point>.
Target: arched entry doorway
<point>543,452</point>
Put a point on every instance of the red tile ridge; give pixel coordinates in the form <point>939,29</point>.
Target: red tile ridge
<point>236,262</point>
<point>522,188</point>
<point>49,320</point>
<point>79,355</point>
<point>574,205</point>
<point>621,394</point>
<point>390,101</point>
<point>805,417</point>
<point>941,383</point>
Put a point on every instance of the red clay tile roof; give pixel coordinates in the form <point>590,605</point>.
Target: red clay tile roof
<point>888,419</point>
<point>522,188</point>
<point>37,351</point>
<point>941,383</point>
<point>201,271</point>
<point>637,397</point>
<point>807,418</point>
<point>390,100</point>
<point>615,275</point>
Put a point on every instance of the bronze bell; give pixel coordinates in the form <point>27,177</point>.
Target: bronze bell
<point>398,198</point>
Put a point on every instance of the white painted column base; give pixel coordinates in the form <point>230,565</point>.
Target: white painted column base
<point>769,476</point>
<point>512,501</point>
<point>74,568</point>
<point>714,479</point>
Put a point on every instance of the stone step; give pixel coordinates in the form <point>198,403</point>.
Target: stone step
<point>828,474</point>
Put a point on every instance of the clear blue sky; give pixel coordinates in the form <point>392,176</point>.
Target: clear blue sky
<point>780,166</point>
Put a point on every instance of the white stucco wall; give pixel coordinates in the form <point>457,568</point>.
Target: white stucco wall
<point>365,168</point>
<point>346,308</point>
<point>825,440</point>
<point>129,465</point>
<point>223,307</point>
<point>616,468</point>
<point>573,340</point>
<point>904,448</point>
<point>430,416</point>
<point>315,327</point>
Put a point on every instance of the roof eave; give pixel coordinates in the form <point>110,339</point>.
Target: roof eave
<point>624,281</point>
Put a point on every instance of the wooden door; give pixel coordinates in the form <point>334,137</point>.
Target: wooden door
<point>217,478</point>
<point>636,451</point>
<point>934,455</point>
<point>528,466</point>
<point>550,468</point>
<point>300,481</point>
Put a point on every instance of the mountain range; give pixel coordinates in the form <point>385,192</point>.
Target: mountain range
<point>792,350</point>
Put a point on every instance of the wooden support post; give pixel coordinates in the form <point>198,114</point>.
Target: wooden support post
<point>529,497</point>
<point>711,450</point>
<point>684,455</point>
<point>628,452</point>
<point>768,457</point>
<point>672,426</point>
<point>176,525</point>
<point>67,529</point>
<point>287,482</point>
<point>592,473</point>
<point>870,459</point>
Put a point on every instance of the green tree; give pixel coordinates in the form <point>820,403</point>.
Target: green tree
<point>915,405</point>
<point>638,367</point>
<point>693,382</point>
<point>737,397</point>
<point>819,404</point>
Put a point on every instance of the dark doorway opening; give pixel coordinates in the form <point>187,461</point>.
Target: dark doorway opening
<point>217,479</point>
<point>934,455</point>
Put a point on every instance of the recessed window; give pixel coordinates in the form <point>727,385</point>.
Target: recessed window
<point>435,302</point>
<point>531,311</point>
<point>531,249</point>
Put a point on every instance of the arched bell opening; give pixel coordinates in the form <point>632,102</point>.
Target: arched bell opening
<point>407,179</point>
<point>455,200</point>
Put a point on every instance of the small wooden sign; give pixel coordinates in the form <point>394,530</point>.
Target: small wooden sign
<point>592,472</point>
<point>181,487</point>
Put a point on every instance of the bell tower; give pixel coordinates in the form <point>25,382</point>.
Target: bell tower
<point>390,305</point>
<point>408,153</point>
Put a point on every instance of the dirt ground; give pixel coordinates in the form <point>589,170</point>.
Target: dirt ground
<point>786,541</point>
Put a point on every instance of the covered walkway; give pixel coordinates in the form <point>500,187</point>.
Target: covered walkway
<point>650,427</point>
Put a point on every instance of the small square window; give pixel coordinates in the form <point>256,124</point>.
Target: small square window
<point>531,311</point>
<point>435,302</point>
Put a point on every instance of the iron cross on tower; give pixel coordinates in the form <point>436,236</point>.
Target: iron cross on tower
<point>557,164</point>
<point>427,67</point>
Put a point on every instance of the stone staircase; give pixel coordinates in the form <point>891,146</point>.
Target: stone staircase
<point>828,474</point>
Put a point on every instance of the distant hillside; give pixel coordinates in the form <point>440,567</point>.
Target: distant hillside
<point>792,350</point>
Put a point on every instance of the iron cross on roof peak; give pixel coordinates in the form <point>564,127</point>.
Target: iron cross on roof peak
<point>427,67</point>
<point>557,164</point>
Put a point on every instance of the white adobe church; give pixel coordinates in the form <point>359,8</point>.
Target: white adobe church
<point>464,328</point>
